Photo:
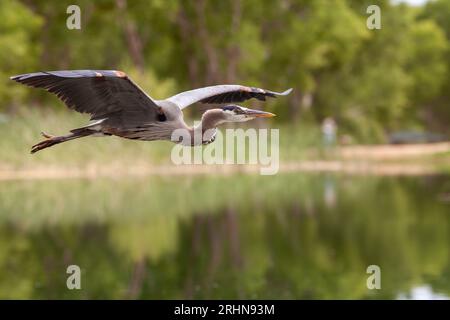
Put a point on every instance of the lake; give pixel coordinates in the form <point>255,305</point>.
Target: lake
<point>289,236</point>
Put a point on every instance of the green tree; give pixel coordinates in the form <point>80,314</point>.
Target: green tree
<point>19,49</point>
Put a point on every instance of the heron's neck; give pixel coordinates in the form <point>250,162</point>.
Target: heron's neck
<point>207,126</point>
<point>211,119</point>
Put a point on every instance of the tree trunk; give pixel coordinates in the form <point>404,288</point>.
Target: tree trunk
<point>185,33</point>
<point>233,51</point>
<point>212,65</point>
<point>134,41</point>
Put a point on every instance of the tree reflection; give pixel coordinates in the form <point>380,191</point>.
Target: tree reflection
<point>240,237</point>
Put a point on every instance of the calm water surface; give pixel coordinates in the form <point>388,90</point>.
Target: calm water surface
<point>290,236</point>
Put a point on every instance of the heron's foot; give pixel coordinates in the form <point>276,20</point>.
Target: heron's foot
<point>210,140</point>
<point>46,135</point>
<point>44,144</point>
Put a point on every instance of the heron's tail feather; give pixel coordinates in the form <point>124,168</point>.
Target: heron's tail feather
<point>52,140</point>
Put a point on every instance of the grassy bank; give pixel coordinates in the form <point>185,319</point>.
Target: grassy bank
<point>298,143</point>
<point>20,131</point>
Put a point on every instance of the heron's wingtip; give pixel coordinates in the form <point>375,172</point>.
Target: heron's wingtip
<point>19,77</point>
<point>285,93</point>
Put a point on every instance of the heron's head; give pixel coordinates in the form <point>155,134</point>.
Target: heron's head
<point>235,113</point>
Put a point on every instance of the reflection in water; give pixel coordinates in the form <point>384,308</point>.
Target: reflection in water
<point>225,237</point>
<point>329,195</point>
<point>422,293</point>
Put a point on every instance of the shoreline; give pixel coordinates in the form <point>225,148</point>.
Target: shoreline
<point>381,160</point>
<point>313,166</point>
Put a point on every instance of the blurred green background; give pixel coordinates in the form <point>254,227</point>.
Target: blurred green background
<point>295,235</point>
<point>371,81</point>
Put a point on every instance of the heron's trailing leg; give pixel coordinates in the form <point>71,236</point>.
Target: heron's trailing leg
<point>46,135</point>
<point>52,140</point>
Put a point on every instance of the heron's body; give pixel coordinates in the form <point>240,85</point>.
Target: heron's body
<point>120,108</point>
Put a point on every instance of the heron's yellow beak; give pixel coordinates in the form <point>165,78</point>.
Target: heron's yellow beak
<point>259,114</point>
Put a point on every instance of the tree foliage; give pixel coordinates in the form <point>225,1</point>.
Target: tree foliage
<point>371,81</point>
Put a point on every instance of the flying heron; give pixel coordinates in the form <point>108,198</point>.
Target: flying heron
<point>119,107</point>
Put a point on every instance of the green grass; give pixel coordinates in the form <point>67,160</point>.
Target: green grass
<point>20,131</point>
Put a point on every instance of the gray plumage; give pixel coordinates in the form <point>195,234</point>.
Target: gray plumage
<point>119,107</point>
<point>225,93</point>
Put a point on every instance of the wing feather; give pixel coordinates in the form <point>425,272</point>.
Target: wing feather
<point>226,93</point>
<point>103,94</point>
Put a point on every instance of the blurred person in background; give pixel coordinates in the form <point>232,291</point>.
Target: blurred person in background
<point>329,129</point>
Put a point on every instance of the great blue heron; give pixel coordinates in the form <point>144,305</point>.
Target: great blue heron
<point>119,107</point>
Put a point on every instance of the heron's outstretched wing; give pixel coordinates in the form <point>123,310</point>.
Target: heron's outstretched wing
<point>104,94</point>
<point>226,93</point>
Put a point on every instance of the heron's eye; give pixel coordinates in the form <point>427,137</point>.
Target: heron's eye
<point>233,109</point>
<point>229,108</point>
